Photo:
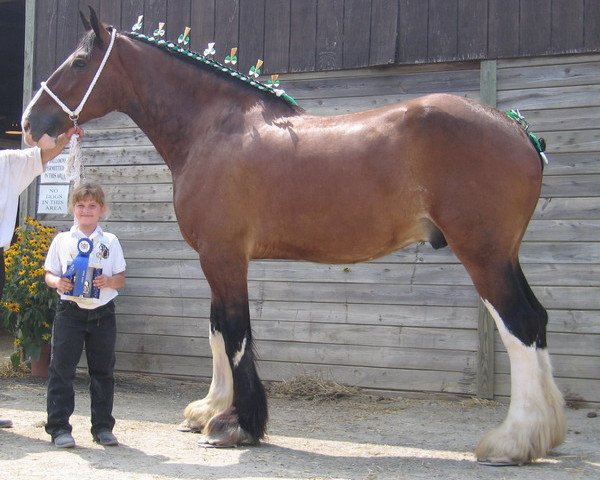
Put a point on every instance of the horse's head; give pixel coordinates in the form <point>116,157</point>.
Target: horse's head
<point>70,86</point>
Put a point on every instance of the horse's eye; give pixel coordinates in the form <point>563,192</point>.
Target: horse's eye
<point>79,63</point>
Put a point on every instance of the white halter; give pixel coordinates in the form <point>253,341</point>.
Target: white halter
<point>74,114</point>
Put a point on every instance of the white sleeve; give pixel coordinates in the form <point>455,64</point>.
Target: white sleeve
<point>52,263</point>
<point>118,262</point>
<point>25,166</point>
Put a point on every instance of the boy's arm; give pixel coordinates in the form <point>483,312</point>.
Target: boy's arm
<point>61,284</point>
<point>116,281</point>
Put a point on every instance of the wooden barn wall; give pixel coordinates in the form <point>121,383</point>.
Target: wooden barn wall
<point>560,96</point>
<point>321,35</point>
<point>407,321</point>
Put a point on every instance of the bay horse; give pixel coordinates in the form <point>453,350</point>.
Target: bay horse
<point>256,177</point>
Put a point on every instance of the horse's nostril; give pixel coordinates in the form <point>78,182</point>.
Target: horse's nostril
<point>25,125</point>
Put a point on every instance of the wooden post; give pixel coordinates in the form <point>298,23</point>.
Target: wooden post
<point>487,82</point>
<point>485,353</point>
<point>485,322</point>
<point>27,199</point>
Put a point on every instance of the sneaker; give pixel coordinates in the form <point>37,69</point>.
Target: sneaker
<point>64,440</point>
<point>106,438</point>
<point>5,423</point>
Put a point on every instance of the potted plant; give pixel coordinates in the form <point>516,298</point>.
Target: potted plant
<point>28,304</point>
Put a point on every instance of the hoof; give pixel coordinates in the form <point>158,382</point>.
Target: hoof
<point>512,444</point>
<point>492,463</point>
<point>187,426</point>
<point>224,430</point>
<point>207,442</point>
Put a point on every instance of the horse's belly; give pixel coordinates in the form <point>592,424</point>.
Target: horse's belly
<point>338,243</point>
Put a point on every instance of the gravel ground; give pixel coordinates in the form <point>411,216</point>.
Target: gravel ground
<point>361,437</point>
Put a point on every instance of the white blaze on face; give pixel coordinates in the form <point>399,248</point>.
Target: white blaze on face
<point>27,137</point>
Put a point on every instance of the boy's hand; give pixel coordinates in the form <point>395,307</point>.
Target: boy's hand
<point>102,281</point>
<point>64,285</point>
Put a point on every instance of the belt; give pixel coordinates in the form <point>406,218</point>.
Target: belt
<point>73,304</point>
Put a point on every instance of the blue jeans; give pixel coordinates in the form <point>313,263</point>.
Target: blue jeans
<point>73,328</point>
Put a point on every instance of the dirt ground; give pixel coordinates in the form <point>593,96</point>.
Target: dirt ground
<point>361,437</point>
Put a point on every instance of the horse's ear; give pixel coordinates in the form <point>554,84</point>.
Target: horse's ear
<point>85,21</point>
<point>99,30</point>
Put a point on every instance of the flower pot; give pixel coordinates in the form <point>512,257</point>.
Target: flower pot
<point>39,367</point>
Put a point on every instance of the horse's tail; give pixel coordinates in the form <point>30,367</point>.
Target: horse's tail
<point>538,142</point>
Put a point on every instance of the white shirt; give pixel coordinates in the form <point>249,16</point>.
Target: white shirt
<point>107,254</point>
<point>18,168</point>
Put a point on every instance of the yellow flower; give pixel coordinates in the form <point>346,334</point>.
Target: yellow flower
<point>18,342</point>
<point>12,306</point>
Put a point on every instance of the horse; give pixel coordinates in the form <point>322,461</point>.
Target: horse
<point>256,177</point>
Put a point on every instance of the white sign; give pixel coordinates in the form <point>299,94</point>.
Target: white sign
<point>55,170</point>
<point>53,199</point>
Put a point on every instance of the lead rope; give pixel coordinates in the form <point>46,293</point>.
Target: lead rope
<point>74,171</point>
<point>74,166</point>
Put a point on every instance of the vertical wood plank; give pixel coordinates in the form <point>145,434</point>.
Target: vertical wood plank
<point>330,34</point>
<point>503,35</point>
<point>412,31</point>
<point>252,33</point>
<point>110,12</point>
<point>442,35</point>
<point>29,53</point>
<point>84,6</point>
<point>178,17</point>
<point>485,353</point>
<point>488,87</point>
<point>227,25</point>
<point>303,35</point>
<point>155,11</point>
<point>67,22</point>
<point>202,23</point>
<point>27,199</point>
<point>130,11</point>
<point>384,32</point>
<point>567,25</point>
<point>472,29</point>
<point>591,23</point>
<point>357,32</point>
<point>277,35</point>
<point>535,29</point>
<point>45,39</point>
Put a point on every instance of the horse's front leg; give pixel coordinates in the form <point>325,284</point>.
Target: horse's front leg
<point>235,409</point>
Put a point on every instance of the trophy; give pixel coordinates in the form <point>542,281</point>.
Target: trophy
<point>82,274</point>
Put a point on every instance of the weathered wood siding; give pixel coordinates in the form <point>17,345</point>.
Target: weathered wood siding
<point>321,35</point>
<point>560,96</point>
<point>408,321</point>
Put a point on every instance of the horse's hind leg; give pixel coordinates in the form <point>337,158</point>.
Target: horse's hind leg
<point>535,422</point>
<point>234,411</point>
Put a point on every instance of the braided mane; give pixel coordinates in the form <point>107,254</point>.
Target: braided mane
<point>190,55</point>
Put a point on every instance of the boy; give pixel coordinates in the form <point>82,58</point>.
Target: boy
<point>83,321</point>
